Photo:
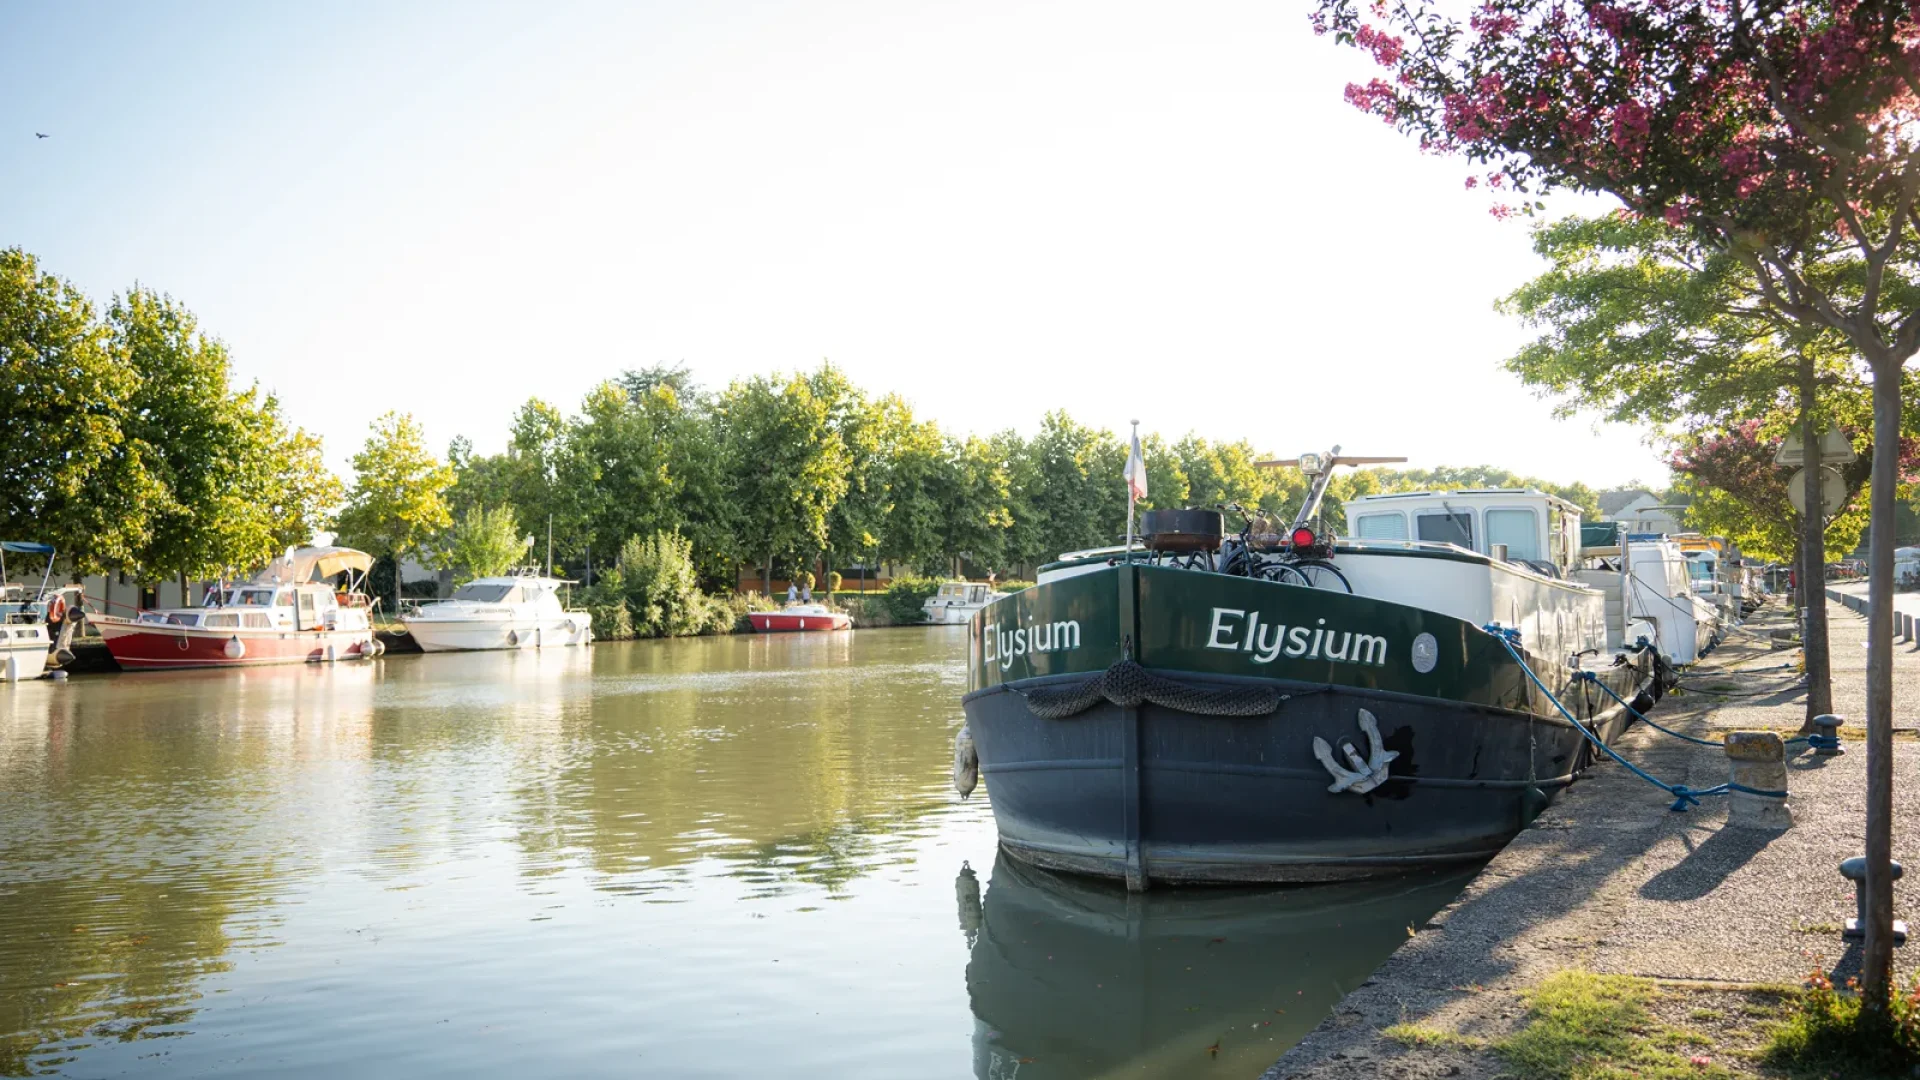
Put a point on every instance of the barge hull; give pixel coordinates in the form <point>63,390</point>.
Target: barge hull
<point>1166,795</point>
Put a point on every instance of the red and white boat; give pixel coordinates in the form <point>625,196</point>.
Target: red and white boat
<point>799,617</point>
<point>288,614</point>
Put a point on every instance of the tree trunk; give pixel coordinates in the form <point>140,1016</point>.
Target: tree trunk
<point>766,575</point>
<point>1813,564</point>
<point>1876,968</point>
<point>397,584</point>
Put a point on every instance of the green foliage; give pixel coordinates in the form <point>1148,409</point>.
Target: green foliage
<point>834,581</point>
<point>661,586</point>
<point>482,543</point>
<point>906,597</point>
<point>68,473</point>
<point>1011,587</point>
<point>1831,1036</point>
<point>397,503</point>
<point>870,610</point>
<point>789,465</point>
<point>1582,1026</point>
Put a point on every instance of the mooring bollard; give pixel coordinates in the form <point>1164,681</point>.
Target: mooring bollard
<point>1758,760</point>
<point>1825,739</point>
<point>1855,870</point>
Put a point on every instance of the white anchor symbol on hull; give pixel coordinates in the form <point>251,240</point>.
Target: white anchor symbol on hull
<point>1367,773</point>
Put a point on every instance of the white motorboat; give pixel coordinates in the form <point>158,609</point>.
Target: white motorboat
<point>957,601</point>
<point>514,612</point>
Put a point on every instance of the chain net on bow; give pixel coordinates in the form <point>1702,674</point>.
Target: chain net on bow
<point>1127,685</point>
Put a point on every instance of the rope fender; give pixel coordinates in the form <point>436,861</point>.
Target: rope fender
<point>1127,685</point>
<point>1683,796</point>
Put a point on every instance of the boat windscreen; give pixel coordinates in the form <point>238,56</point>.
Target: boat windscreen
<point>483,594</point>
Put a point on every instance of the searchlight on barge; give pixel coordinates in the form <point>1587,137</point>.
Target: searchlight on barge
<point>1289,708</point>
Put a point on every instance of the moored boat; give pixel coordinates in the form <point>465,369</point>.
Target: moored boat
<point>956,602</point>
<point>288,614</point>
<point>1317,711</point>
<point>799,617</point>
<point>514,612</point>
<point>36,621</point>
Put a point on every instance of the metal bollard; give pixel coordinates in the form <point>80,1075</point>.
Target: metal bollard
<point>1825,739</point>
<point>1855,870</point>
<point>1757,759</point>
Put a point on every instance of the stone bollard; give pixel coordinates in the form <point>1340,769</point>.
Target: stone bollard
<point>1855,870</point>
<point>1758,759</point>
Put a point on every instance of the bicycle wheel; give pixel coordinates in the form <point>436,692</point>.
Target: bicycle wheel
<point>1322,575</point>
<point>1282,573</point>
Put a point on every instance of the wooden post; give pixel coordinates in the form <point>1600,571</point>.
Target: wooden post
<point>1876,966</point>
<point>1813,562</point>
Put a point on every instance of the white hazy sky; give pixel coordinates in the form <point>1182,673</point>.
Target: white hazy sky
<point>994,209</point>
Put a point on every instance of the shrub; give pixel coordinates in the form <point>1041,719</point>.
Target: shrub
<point>804,579</point>
<point>834,581</point>
<point>1012,586</point>
<point>421,590</point>
<point>661,586</point>
<point>726,613</point>
<point>869,610</point>
<point>611,621</point>
<point>906,596</point>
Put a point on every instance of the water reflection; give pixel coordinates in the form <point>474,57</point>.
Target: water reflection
<point>139,849</point>
<point>706,858</point>
<point>799,758</point>
<point>1071,977</point>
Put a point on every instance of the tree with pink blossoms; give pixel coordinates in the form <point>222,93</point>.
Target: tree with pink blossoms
<point>1785,133</point>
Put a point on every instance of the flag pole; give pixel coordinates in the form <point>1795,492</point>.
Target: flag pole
<point>1130,496</point>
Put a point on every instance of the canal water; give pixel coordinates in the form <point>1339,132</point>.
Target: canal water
<point>717,857</point>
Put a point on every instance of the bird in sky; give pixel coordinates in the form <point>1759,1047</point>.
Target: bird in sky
<point>41,135</point>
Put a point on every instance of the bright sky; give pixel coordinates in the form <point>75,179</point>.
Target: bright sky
<point>1119,208</point>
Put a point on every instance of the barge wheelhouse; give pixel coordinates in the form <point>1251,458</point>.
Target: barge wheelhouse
<point>1157,719</point>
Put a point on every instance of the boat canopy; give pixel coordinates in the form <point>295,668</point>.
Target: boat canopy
<point>26,547</point>
<point>304,564</point>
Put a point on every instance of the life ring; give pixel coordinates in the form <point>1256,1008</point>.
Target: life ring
<point>57,609</point>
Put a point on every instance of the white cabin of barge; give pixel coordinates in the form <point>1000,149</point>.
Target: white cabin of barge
<point>1521,525</point>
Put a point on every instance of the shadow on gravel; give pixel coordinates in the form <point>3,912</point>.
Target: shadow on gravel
<point>1707,865</point>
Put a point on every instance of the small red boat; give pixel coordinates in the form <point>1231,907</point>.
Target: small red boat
<point>799,617</point>
<point>282,616</point>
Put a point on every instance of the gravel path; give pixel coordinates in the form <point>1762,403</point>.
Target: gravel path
<point>1610,880</point>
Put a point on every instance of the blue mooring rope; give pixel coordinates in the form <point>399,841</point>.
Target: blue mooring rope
<point>1683,796</point>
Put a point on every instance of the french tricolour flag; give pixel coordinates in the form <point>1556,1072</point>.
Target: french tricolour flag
<point>1136,470</point>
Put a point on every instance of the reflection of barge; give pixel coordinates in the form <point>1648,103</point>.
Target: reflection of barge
<point>1073,977</point>
<point>1238,715</point>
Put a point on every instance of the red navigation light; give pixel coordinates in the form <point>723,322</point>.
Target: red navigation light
<point>1302,537</point>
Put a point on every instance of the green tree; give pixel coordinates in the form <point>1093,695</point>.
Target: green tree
<point>398,500</point>
<point>787,465</point>
<point>482,543</point>
<point>68,474</point>
<point>217,454</point>
<point>973,498</point>
<point>287,469</point>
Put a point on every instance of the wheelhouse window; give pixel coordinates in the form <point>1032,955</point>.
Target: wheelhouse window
<point>254,597</point>
<point>182,619</point>
<point>485,594</point>
<point>257,620</point>
<point>1452,527</point>
<point>1390,526</point>
<point>1518,529</point>
<point>226,621</point>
